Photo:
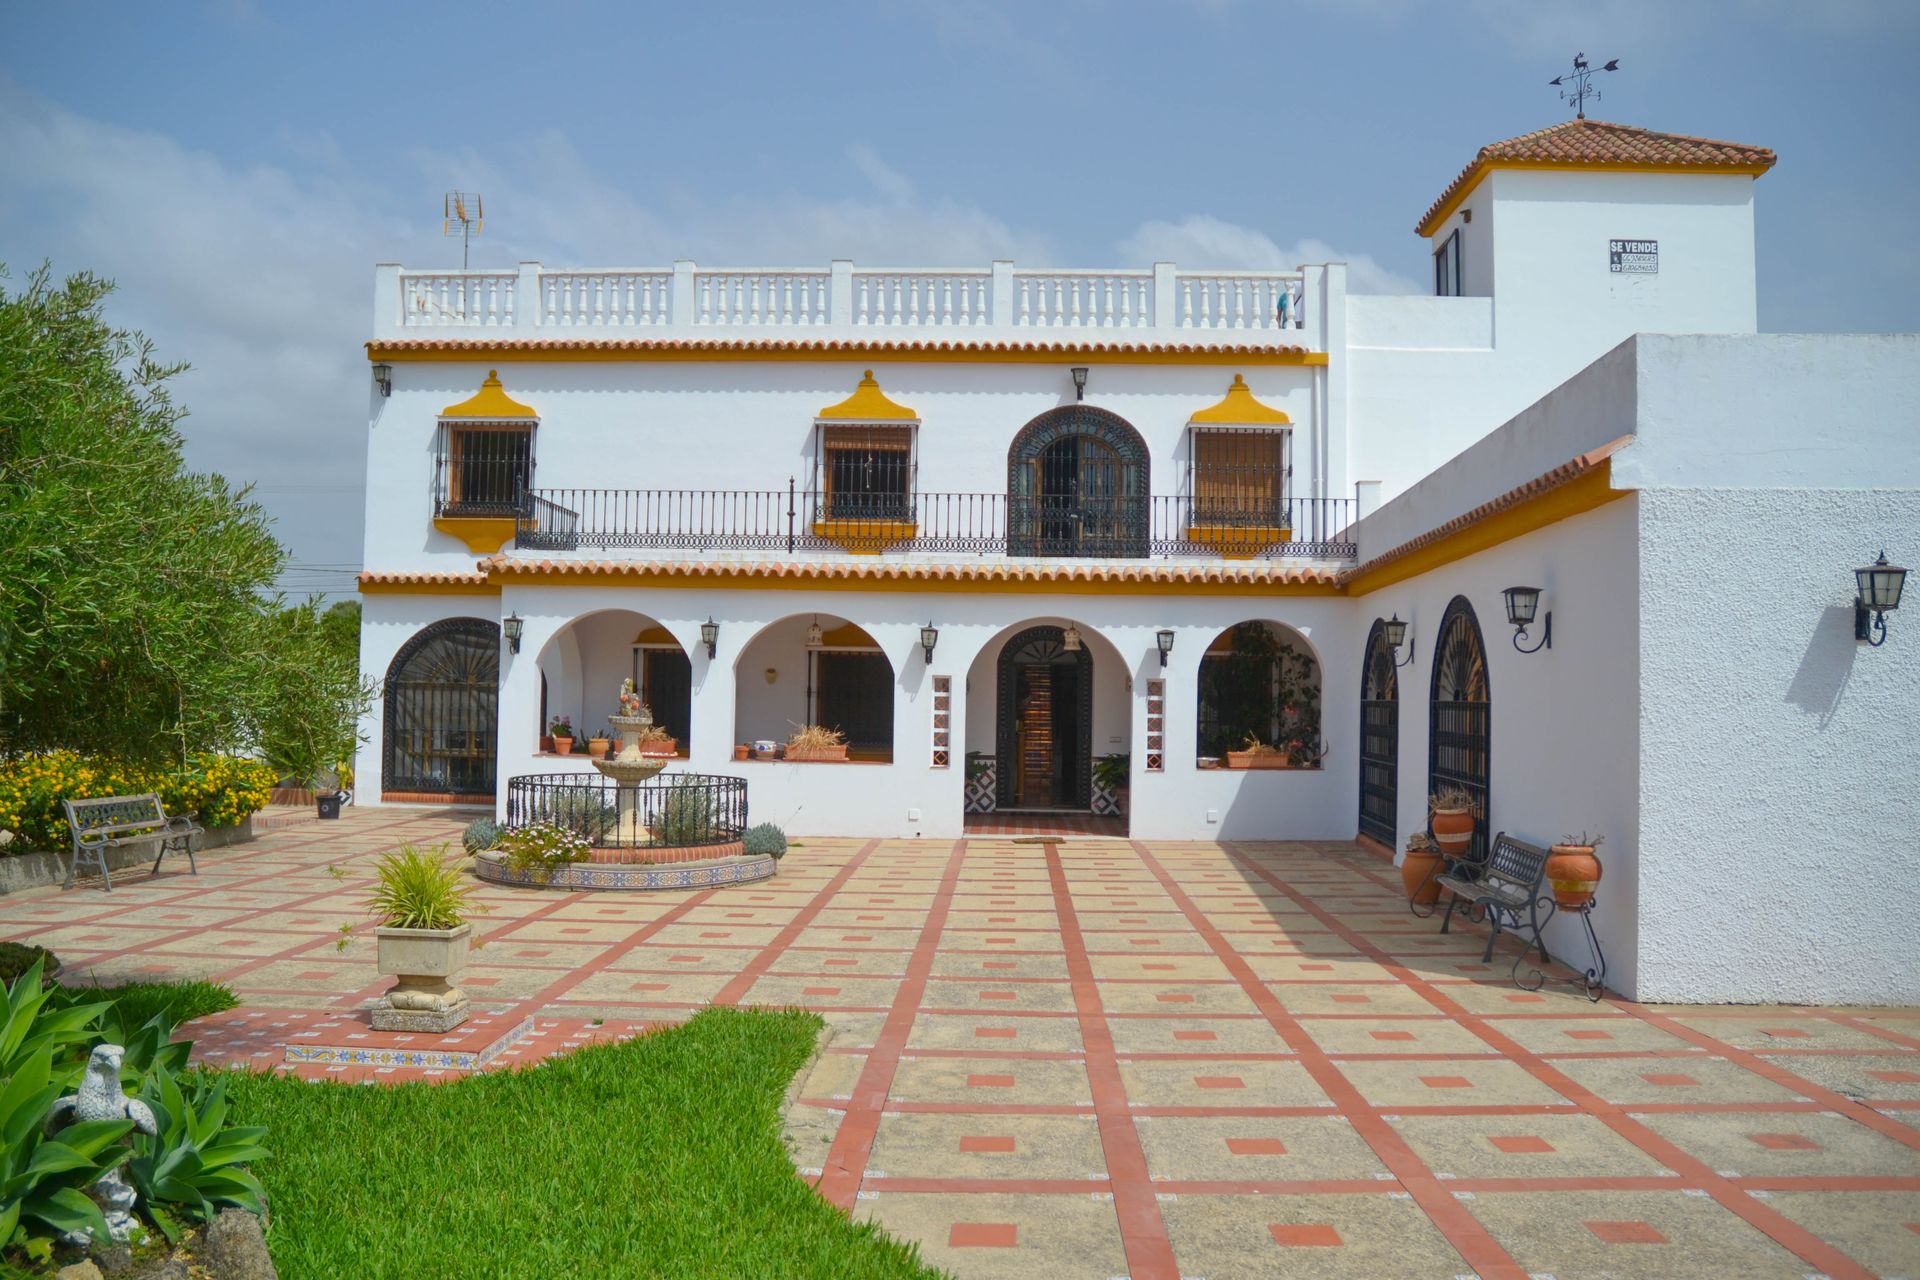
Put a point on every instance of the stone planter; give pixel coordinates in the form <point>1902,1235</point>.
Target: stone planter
<point>818,754</point>
<point>426,961</point>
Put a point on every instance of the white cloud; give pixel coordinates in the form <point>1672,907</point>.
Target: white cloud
<point>1209,243</point>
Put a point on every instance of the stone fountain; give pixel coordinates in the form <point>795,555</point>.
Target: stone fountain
<point>628,770</point>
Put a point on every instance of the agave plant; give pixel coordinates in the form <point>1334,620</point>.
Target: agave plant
<point>32,1027</point>
<point>43,1179</point>
<point>196,1162</point>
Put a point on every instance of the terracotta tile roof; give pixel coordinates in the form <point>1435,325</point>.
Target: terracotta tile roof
<point>406,578</point>
<point>826,346</point>
<point>1585,144</point>
<point>1266,572</point>
<point>1565,473</point>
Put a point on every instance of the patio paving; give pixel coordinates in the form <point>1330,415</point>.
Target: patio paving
<point>1104,1058</point>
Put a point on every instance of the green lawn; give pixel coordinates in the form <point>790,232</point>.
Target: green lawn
<point>658,1157</point>
<point>139,1001</point>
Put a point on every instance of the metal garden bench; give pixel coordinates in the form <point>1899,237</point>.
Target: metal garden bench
<point>113,822</point>
<point>1505,887</point>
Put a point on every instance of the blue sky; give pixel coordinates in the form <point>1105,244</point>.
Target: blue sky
<point>238,166</point>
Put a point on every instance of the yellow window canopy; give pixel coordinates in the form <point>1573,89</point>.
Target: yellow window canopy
<point>868,403</point>
<point>1240,409</point>
<point>491,403</point>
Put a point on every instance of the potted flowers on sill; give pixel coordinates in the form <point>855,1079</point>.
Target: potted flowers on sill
<point>561,731</point>
<point>816,742</point>
<point>1574,871</point>
<point>424,928</point>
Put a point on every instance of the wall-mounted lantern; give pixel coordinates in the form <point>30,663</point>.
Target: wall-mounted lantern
<point>814,639</point>
<point>513,626</point>
<point>1394,632</point>
<point>710,634</point>
<point>1876,590</point>
<point>383,379</point>
<point>1166,645</point>
<point>1523,604</point>
<point>1079,382</point>
<point>929,636</point>
<point>1070,638</point>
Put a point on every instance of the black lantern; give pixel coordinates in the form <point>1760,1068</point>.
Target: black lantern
<point>1166,645</point>
<point>513,626</point>
<point>1523,604</point>
<point>1877,589</point>
<point>929,637</point>
<point>1394,632</point>
<point>1079,382</point>
<point>710,634</point>
<point>383,378</point>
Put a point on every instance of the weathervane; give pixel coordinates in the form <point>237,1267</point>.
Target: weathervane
<point>1575,86</point>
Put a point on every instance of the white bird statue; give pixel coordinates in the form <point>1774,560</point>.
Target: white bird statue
<point>100,1098</point>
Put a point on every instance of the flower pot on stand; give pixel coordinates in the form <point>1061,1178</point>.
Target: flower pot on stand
<point>1417,871</point>
<point>427,961</point>
<point>1453,831</point>
<point>1574,873</point>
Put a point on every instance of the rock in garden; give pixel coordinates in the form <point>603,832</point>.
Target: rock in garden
<point>234,1248</point>
<point>81,1270</point>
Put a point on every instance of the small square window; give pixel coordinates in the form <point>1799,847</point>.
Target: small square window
<point>1446,268</point>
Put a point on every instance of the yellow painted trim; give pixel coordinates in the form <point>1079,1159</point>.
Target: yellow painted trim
<point>428,588</point>
<point>1241,409</point>
<point>1247,541</point>
<point>657,637</point>
<point>868,403</point>
<point>1577,496</point>
<point>483,535</point>
<point>865,537</point>
<point>491,403</point>
<point>774,581</point>
<point>849,636</point>
<point>502,354</point>
<point>1478,172</point>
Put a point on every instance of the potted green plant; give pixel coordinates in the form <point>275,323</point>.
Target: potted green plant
<point>1114,774</point>
<point>422,907</point>
<point>1417,869</point>
<point>561,731</point>
<point>1574,871</point>
<point>816,742</point>
<point>1452,820</point>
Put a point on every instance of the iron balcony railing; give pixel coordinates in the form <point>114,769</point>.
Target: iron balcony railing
<point>988,524</point>
<point>674,810</point>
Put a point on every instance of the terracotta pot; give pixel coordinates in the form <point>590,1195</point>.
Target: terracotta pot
<point>1414,870</point>
<point>1574,873</point>
<point>741,751</point>
<point>562,746</point>
<point>1453,830</point>
<point>1248,760</point>
<point>546,742</point>
<point>597,748</point>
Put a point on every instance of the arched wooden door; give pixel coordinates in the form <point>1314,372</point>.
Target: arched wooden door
<point>442,702</point>
<point>1077,486</point>
<point>1379,740</point>
<point>1460,723</point>
<point>1044,723</point>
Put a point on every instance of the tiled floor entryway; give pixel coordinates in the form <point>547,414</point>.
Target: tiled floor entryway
<point>1103,1058</point>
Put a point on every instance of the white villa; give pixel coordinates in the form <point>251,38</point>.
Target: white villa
<point>1053,545</point>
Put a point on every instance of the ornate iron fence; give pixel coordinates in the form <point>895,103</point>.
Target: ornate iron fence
<point>670,810</point>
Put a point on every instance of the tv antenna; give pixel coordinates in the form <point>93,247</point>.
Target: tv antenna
<point>462,210</point>
<point>1576,85</point>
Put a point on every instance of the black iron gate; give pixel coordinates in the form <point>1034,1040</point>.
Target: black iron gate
<point>1068,727</point>
<point>442,700</point>
<point>1460,727</point>
<point>1379,740</point>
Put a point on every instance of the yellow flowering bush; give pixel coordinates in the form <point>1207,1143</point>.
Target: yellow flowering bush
<point>219,790</point>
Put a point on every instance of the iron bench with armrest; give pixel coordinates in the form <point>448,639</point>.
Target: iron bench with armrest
<point>1505,886</point>
<point>114,822</point>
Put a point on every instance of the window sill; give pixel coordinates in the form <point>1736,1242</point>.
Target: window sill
<point>483,535</point>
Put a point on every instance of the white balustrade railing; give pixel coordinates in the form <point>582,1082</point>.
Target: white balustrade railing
<point>943,298</point>
<point>464,298</point>
<point>612,298</point>
<point>1094,299</point>
<point>735,297</point>
<point>1000,297</point>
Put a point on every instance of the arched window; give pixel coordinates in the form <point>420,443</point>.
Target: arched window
<point>1259,688</point>
<point>442,701</point>
<point>1077,486</point>
<point>1460,723</point>
<point>1379,740</point>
